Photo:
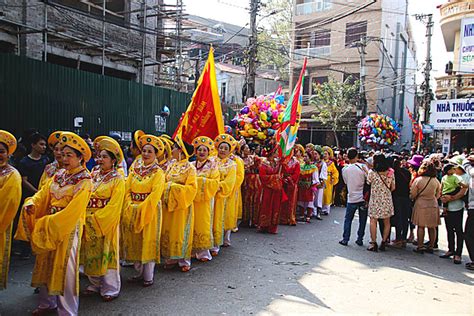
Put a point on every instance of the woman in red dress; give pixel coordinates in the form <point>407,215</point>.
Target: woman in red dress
<point>272,193</point>
<point>251,188</point>
<point>291,174</point>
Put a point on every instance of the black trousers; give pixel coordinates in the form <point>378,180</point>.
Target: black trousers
<point>455,232</point>
<point>402,207</point>
<point>469,234</point>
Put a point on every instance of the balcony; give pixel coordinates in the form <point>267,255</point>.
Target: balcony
<point>313,7</point>
<point>312,52</point>
<point>462,84</point>
<point>450,22</point>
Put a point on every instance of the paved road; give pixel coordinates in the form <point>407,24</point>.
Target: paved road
<point>302,270</point>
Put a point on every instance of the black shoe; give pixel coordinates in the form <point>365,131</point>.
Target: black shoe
<point>447,255</point>
<point>319,218</point>
<point>343,242</point>
<point>359,242</point>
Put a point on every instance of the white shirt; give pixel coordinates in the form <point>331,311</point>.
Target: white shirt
<point>124,167</point>
<point>315,177</point>
<point>354,176</point>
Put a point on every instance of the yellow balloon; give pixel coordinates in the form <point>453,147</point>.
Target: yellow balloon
<point>261,135</point>
<point>263,116</point>
<point>253,132</point>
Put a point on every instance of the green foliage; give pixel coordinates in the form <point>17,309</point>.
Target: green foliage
<point>334,102</point>
<point>274,38</point>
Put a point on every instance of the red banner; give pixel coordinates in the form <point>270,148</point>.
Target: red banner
<point>204,114</point>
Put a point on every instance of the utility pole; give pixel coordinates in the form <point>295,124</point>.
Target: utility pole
<point>252,56</point>
<point>361,46</point>
<point>423,115</point>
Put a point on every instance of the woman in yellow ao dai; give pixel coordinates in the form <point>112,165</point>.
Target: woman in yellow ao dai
<point>235,199</point>
<point>178,214</point>
<point>51,169</point>
<point>10,195</point>
<point>142,212</point>
<point>52,220</point>
<point>227,178</point>
<point>207,185</point>
<point>100,242</point>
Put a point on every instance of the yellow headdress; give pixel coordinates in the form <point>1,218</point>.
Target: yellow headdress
<point>300,148</point>
<point>179,141</point>
<point>225,138</point>
<point>54,138</point>
<point>75,141</point>
<point>8,139</point>
<point>203,141</point>
<point>153,141</point>
<point>167,143</point>
<point>329,150</point>
<point>109,144</point>
<point>137,134</point>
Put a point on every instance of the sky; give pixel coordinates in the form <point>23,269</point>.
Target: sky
<point>236,12</point>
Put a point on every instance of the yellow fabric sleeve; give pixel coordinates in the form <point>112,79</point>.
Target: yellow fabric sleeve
<point>40,202</point>
<point>227,185</point>
<point>335,174</point>
<point>207,186</point>
<point>10,197</point>
<point>181,196</point>
<point>240,172</point>
<point>51,230</point>
<point>148,208</point>
<point>108,217</point>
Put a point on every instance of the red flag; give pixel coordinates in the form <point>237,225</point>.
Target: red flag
<point>204,114</point>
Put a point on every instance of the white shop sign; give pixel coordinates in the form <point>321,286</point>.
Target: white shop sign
<point>466,49</point>
<point>452,114</point>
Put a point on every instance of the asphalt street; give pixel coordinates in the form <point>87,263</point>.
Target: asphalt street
<point>301,271</point>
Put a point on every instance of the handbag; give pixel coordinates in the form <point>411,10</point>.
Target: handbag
<point>419,193</point>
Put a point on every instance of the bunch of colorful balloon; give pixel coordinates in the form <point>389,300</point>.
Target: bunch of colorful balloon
<point>378,131</point>
<point>260,118</point>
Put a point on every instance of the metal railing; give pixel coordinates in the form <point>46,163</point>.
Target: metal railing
<point>313,7</point>
<point>461,83</point>
<point>312,52</point>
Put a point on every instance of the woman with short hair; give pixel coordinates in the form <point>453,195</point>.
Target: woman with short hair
<point>425,192</point>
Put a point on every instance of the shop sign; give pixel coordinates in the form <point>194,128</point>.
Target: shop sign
<point>452,114</point>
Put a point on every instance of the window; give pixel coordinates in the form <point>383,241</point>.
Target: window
<point>223,91</point>
<point>321,38</point>
<point>355,31</point>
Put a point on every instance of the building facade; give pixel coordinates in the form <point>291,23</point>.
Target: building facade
<point>118,39</point>
<point>454,123</point>
<point>333,35</point>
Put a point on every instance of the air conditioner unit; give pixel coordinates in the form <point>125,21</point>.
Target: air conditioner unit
<point>449,68</point>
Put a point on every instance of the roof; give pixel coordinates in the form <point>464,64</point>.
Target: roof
<point>229,68</point>
<point>231,33</point>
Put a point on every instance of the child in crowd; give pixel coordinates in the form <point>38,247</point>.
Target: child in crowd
<point>451,184</point>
